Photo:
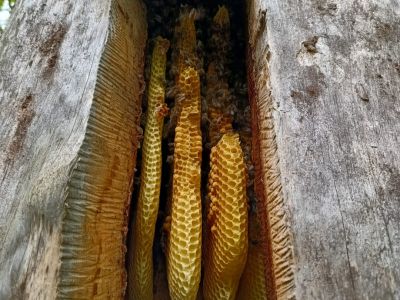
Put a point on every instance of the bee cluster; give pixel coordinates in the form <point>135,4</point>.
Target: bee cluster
<point>215,49</point>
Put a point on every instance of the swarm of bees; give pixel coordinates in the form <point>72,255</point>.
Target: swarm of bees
<point>206,239</point>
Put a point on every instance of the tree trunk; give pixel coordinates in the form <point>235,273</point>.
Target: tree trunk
<point>324,80</point>
<point>71,80</point>
<point>326,86</point>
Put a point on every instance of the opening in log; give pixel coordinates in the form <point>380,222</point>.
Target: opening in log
<point>220,46</point>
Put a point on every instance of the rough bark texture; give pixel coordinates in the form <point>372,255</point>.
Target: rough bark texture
<point>328,80</point>
<point>70,91</point>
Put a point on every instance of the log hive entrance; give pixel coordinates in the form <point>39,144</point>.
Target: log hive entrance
<point>219,58</point>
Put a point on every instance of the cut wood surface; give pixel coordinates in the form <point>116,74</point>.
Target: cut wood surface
<point>328,85</point>
<point>70,89</point>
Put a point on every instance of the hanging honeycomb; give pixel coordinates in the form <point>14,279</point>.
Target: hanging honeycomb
<point>184,54</point>
<point>226,249</point>
<point>184,241</point>
<point>141,257</point>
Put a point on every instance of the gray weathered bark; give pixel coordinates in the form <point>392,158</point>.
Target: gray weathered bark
<point>327,86</point>
<point>70,91</point>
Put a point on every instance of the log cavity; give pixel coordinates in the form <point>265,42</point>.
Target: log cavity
<point>268,271</point>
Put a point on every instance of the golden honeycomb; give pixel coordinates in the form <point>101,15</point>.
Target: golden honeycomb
<point>140,269</point>
<point>184,55</point>
<point>227,220</point>
<point>184,242</point>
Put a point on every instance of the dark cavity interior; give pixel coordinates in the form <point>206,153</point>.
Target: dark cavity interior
<point>162,16</point>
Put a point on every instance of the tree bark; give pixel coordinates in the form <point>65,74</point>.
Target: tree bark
<point>71,81</point>
<point>326,85</point>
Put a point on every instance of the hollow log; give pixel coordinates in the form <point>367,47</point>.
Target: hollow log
<point>324,80</point>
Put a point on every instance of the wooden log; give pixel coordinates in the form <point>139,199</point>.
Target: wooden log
<point>325,82</point>
<point>70,90</point>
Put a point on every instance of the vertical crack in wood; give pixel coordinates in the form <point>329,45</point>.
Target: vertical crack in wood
<point>278,242</point>
<point>96,207</point>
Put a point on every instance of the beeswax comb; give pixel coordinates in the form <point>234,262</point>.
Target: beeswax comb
<point>227,220</point>
<point>140,272</point>
<point>184,241</point>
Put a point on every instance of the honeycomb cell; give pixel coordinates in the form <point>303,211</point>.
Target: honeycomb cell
<point>140,269</point>
<point>227,220</point>
<point>184,242</point>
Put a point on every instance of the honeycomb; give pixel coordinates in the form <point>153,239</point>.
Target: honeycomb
<point>141,257</point>
<point>252,283</point>
<point>227,220</point>
<point>184,242</point>
<point>184,55</point>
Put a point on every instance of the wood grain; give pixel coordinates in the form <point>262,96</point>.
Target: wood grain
<point>70,98</point>
<point>334,83</point>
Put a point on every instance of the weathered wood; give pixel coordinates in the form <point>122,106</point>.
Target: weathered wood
<point>324,80</point>
<point>327,101</point>
<point>70,89</point>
